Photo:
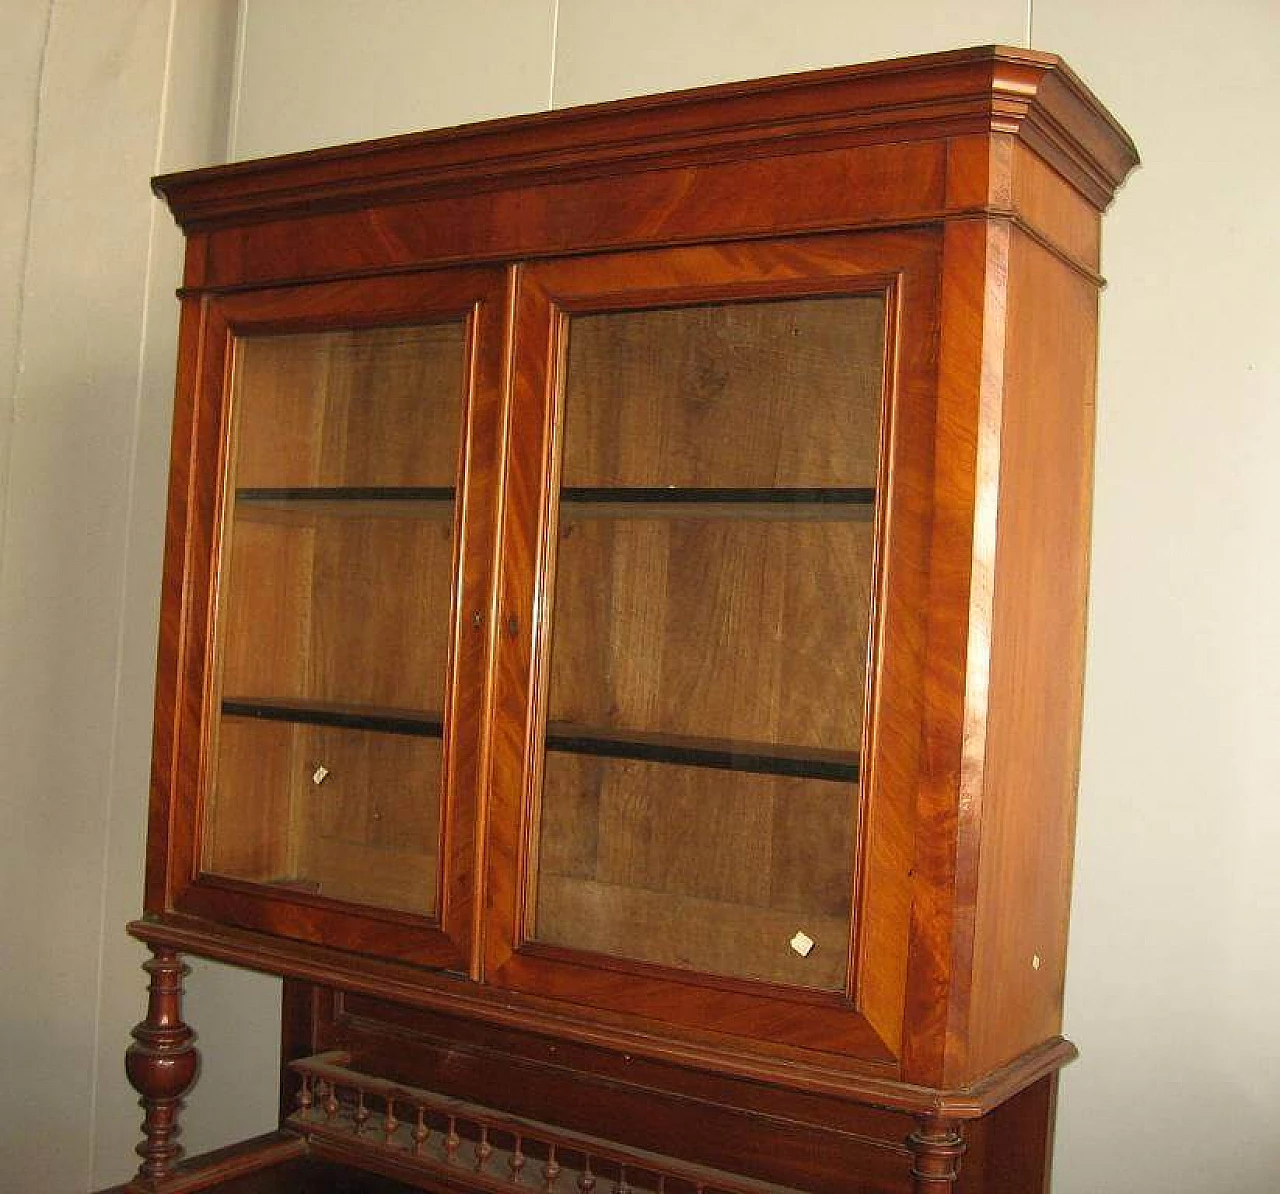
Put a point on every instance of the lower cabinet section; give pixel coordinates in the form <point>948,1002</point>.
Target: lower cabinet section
<point>443,1101</point>
<point>347,1128</point>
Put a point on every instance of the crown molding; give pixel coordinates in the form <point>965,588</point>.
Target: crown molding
<point>1025,93</point>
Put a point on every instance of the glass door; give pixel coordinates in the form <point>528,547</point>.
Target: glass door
<point>345,685</point>
<point>695,798</point>
<point>339,550</point>
<point>708,635</point>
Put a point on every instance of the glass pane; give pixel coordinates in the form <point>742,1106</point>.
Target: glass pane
<point>709,636</point>
<point>334,620</point>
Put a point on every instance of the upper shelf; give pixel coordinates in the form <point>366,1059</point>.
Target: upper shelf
<point>817,504</point>
<point>347,493</point>
<point>720,754</point>
<point>790,504</point>
<point>351,501</point>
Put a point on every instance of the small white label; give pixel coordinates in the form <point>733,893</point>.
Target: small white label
<point>802,943</point>
<point>1035,961</point>
<point>320,774</point>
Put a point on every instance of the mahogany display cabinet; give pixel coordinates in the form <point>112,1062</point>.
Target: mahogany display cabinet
<point>622,638</point>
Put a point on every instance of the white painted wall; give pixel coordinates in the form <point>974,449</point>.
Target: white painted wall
<point>1173,972</point>
<point>1171,988</point>
<point>97,97</point>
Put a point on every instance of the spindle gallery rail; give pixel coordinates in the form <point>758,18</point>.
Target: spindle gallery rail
<point>478,1147</point>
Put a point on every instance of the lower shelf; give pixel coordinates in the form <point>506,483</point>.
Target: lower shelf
<point>418,1133</point>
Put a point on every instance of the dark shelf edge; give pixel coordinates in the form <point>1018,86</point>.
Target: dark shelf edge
<point>690,752</point>
<point>348,493</point>
<point>415,725</point>
<point>832,496</point>
<point>714,755</point>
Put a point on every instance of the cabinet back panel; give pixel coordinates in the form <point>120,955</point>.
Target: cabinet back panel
<point>368,407</point>
<point>342,609</point>
<point>251,806</point>
<point>697,868</point>
<point>725,628</point>
<point>782,393</point>
<point>365,829</point>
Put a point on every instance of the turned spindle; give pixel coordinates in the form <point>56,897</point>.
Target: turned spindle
<point>161,1065</point>
<point>551,1170</point>
<point>936,1148</point>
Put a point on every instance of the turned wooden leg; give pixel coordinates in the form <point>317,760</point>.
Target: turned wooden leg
<point>936,1148</point>
<point>161,1065</point>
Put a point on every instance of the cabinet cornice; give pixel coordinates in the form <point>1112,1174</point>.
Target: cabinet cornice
<point>990,89</point>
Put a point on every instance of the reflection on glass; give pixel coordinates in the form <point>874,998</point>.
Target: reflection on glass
<point>709,636</point>
<point>334,613</point>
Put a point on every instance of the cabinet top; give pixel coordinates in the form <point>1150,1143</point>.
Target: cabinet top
<point>1032,95</point>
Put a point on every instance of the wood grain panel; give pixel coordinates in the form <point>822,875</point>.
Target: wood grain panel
<point>686,933</point>
<point>727,395</point>
<point>368,831</point>
<point>631,852</point>
<point>737,629</point>
<point>1052,209</point>
<point>381,618</point>
<point>767,841</point>
<point>364,407</point>
<point>343,609</point>
<point>268,598</point>
<point>793,193</point>
<point>251,808</point>
<point>962,515</point>
<point>684,831</point>
<point>900,269</point>
<point>1037,659</point>
<point>382,790</point>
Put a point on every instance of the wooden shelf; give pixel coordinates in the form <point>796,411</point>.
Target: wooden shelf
<point>720,754</point>
<point>792,504</point>
<point>350,501</point>
<point>348,493</point>
<point>379,719</point>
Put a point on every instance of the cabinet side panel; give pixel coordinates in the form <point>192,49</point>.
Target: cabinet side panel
<point>1037,658</point>
<point>1064,217</point>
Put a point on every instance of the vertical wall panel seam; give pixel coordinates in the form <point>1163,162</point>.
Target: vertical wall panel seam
<point>237,81</point>
<point>555,49</point>
<point>122,605</point>
<point>14,383</point>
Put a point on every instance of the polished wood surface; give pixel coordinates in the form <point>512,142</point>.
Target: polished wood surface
<point>909,100</point>
<point>672,629</point>
<point>1035,685</point>
<point>667,642</point>
<point>161,1065</point>
<point>895,271</point>
<point>322,594</point>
